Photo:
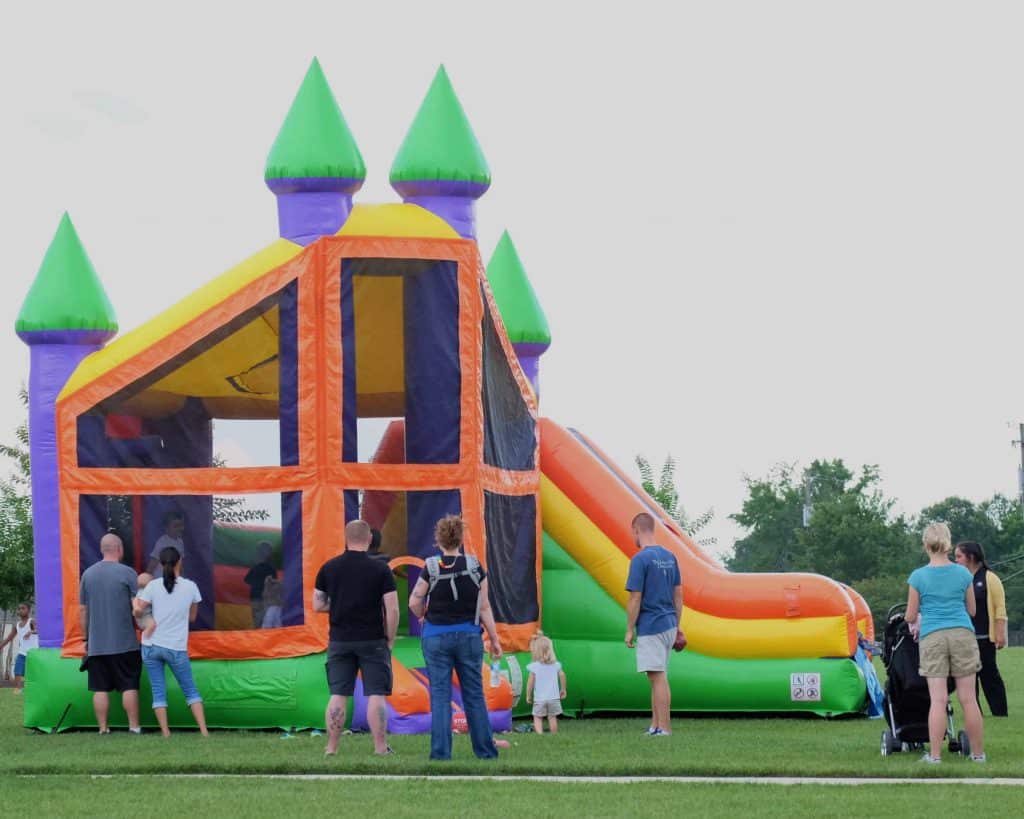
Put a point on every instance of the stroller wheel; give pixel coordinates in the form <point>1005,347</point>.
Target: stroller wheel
<point>890,745</point>
<point>964,744</point>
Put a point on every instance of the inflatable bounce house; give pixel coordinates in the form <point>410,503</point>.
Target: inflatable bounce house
<point>374,368</point>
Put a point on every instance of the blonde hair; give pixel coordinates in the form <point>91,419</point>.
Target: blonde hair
<point>936,539</point>
<point>448,532</point>
<point>542,649</point>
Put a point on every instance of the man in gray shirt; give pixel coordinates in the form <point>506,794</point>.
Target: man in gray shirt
<point>105,611</point>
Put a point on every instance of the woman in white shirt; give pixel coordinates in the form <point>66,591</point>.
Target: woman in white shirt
<point>174,601</point>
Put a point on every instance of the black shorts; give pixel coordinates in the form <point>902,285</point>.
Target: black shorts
<point>115,672</point>
<point>346,659</point>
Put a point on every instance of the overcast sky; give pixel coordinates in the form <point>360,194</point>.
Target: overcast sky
<point>761,232</point>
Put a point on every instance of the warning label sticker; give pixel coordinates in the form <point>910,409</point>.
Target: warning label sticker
<point>805,687</point>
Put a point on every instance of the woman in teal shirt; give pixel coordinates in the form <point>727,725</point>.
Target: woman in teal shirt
<point>943,594</point>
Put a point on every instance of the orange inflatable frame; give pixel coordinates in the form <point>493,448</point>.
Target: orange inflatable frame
<point>320,475</point>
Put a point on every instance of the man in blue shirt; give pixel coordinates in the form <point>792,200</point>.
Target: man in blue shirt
<point>653,611</point>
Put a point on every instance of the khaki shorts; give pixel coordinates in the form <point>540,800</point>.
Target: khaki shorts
<point>547,708</point>
<point>652,650</point>
<point>949,652</point>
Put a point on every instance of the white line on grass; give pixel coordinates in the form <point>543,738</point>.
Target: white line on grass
<point>619,780</point>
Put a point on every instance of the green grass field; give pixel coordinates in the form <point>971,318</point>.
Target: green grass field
<point>731,746</point>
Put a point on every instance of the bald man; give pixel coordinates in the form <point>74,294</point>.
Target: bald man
<point>359,594</point>
<point>111,645</point>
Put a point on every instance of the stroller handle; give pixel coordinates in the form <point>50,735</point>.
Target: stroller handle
<point>894,609</point>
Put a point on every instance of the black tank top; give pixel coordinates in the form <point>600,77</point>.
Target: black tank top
<point>444,609</point>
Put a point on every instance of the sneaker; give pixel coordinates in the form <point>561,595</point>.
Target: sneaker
<point>979,758</point>
<point>136,731</point>
<point>651,731</point>
<point>387,750</point>
<point>931,760</point>
<point>658,732</point>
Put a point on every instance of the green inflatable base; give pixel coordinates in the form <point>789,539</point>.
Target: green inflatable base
<point>286,693</point>
<point>602,677</point>
<point>291,693</point>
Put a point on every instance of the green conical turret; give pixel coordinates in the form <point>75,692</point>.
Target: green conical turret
<point>440,144</point>
<point>315,141</point>
<point>520,311</point>
<point>67,293</point>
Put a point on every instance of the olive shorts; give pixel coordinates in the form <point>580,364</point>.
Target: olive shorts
<point>949,652</point>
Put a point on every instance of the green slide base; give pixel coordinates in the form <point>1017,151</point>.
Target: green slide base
<point>588,627</point>
<point>602,677</point>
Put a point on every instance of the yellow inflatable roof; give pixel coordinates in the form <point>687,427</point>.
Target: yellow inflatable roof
<point>257,338</point>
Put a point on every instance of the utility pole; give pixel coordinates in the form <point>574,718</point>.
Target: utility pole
<point>1019,443</point>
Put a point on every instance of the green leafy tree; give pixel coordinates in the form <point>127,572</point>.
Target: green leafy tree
<point>825,520</point>
<point>16,543</point>
<point>665,494</point>
<point>772,515</point>
<point>234,510</point>
<point>967,520</point>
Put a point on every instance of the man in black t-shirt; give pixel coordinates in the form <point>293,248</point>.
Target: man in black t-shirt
<point>359,593</point>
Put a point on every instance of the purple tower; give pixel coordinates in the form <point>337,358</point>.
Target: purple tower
<point>314,166</point>
<point>66,316</point>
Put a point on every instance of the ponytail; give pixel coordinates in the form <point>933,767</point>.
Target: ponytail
<point>169,558</point>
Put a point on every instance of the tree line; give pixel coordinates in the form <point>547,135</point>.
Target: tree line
<point>829,520</point>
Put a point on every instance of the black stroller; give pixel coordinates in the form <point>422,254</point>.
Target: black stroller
<point>906,701</point>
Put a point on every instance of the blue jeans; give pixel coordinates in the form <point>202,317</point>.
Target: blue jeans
<point>464,652</point>
<point>155,658</point>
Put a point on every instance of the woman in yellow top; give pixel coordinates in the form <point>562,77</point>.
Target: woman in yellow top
<point>990,622</point>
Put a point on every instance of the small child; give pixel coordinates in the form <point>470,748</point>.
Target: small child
<point>545,686</point>
<point>144,621</point>
<point>273,598</point>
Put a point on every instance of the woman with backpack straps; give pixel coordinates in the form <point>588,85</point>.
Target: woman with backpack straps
<point>451,596</point>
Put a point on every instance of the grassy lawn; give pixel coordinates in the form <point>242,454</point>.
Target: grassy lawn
<point>700,746</point>
<point>82,796</point>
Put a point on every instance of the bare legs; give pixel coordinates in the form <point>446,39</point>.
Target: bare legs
<point>937,715</point>
<point>965,692</point>
<point>661,700</point>
<point>101,705</point>
<point>200,717</point>
<point>968,696</point>
<point>538,724</point>
<point>335,720</point>
<point>161,718</point>
<point>376,715</point>
<point>130,701</point>
<point>197,712</point>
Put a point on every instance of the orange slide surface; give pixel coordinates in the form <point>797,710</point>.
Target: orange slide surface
<point>610,499</point>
